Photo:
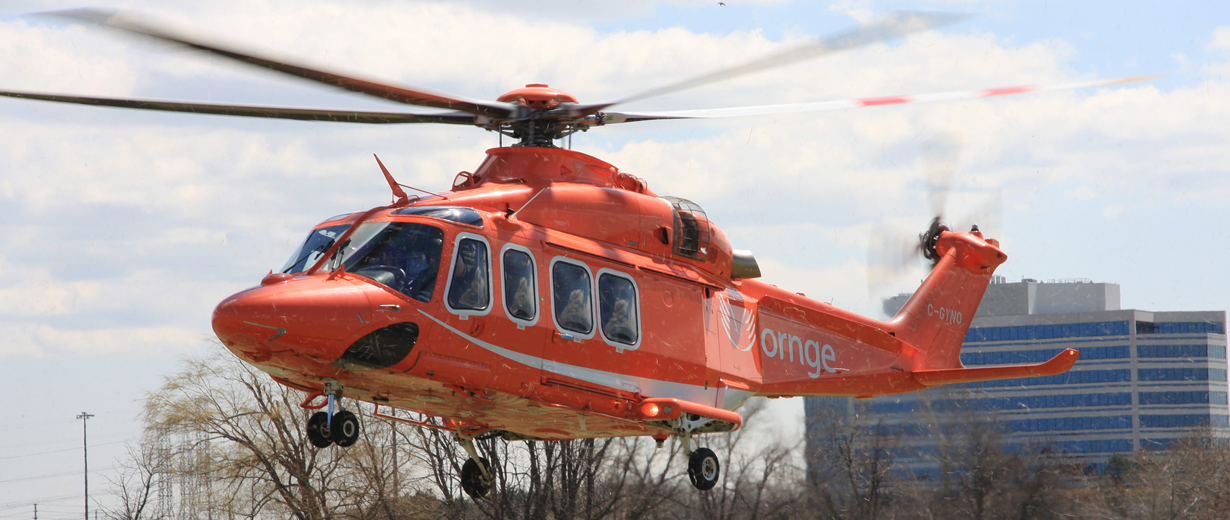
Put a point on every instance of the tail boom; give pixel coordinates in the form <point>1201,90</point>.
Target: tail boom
<point>810,348</point>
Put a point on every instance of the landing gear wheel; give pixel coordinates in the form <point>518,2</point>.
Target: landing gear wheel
<point>318,430</point>
<point>703,469</point>
<point>345,429</point>
<point>473,482</point>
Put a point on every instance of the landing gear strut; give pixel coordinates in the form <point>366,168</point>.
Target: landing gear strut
<point>476,476</point>
<point>325,428</point>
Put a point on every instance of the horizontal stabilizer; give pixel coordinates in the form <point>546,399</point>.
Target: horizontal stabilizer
<point>1059,364</point>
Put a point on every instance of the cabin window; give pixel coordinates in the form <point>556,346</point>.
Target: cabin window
<point>399,255</point>
<point>571,286</point>
<point>469,290</point>
<point>520,289</point>
<point>618,309</point>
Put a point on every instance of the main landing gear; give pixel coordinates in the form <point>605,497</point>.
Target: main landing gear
<point>325,428</point>
<point>476,476</point>
<point>703,466</point>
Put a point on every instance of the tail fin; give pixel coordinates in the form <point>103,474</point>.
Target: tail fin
<point>937,317</point>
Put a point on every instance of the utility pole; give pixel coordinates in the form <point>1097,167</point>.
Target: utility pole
<point>85,445</point>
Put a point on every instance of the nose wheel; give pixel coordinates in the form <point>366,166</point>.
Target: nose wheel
<point>325,428</point>
<point>318,431</point>
<point>345,429</point>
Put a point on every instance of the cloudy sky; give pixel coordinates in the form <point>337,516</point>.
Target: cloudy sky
<point>121,230</point>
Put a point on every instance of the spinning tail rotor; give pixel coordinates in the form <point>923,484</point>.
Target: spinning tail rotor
<point>892,253</point>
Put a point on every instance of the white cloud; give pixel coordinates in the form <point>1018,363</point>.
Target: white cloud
<point>1220,41</point>
<point>236,195</point>
<point>40,340</point>
<point>861,10</point>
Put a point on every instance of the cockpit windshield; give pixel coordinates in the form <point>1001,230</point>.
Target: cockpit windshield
<point>400,255</point>
<point>316,245</point>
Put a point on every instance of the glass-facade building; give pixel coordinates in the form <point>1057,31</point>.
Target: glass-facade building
<point>1143,379</point>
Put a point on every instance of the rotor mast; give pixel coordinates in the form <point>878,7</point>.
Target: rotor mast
<point>542,124</point>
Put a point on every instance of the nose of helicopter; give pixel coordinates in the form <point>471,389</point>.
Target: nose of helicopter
<point>309,316</point>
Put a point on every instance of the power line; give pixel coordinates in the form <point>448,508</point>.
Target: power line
<point>39,477</point>
<point>53,475</point>
<point>15,505</point>
<point>59,451</point>
<point>66,440</point>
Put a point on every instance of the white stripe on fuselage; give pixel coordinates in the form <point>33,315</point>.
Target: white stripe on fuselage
<point>624,382</point>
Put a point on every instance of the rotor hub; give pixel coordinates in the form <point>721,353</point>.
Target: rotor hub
<point>538,96</point>
<point>927,240</point>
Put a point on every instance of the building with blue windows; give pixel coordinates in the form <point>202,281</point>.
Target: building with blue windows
<point>1143,379</point>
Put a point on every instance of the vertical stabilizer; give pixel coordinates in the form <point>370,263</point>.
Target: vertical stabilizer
<point>937,317</point>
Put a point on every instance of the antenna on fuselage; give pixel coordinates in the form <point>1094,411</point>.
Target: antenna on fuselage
<point>397,187</point>
<point>397,191</point>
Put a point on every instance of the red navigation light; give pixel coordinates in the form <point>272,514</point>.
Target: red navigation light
<point>650,410</point>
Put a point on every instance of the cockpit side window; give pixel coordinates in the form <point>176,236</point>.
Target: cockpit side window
<point>691,229</point>
<point>402,256</point>
<point>572,291</point>
<point>316,244</point>
<point>470,278</point>
<point>520,289</point>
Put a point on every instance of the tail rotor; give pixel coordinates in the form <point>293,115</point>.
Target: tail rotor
<point>893,253</point>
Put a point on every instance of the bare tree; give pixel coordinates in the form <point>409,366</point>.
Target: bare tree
<point>852,474</point>
<point>135,486</point>
<point>758,477</point>
<point>648,476</point>
<point>980,473</point>
<point>1191,479</point>
<point>263,458</point>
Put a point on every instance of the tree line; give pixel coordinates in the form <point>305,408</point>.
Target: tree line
<point>241,451</point>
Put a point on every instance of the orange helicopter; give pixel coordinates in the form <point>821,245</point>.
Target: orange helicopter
<point>550,296</point>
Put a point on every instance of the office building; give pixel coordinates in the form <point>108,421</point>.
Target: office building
<point>1143,379</point>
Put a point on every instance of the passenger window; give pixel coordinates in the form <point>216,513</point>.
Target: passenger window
<point>617,308</point>
<point>571,286</point>
<point>519,294</point>
<point>469,289</point>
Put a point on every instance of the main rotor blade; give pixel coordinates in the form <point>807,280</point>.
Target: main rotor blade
<point>887,28</point>
<point>714,113</point>
<point>301,114</point>
<point>408,95</point>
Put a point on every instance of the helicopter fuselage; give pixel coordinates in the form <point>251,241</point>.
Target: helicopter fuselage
<point>550,296</point>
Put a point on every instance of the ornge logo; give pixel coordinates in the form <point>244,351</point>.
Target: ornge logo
<point>811,353</point>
